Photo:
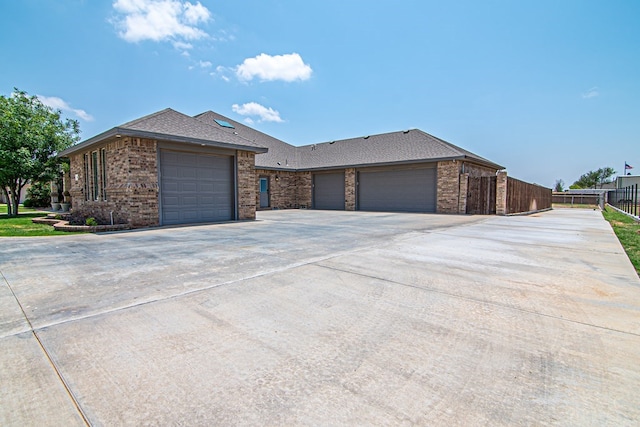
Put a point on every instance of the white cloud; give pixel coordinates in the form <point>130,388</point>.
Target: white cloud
<point>182,45</point>
<point>205,64</point>
<point>160,20</point>
<point>263,113</point>
<point>591,93</point>
<point>60,104</point>
<point>222,72</point>
<point>194,13</point>
<point>288,67</point>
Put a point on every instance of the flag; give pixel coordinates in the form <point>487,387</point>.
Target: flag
<point>626,166</point>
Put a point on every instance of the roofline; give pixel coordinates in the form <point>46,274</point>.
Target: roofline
<point>114,132</point>
<point>401,162</point>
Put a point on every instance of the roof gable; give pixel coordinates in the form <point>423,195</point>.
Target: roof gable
<point>395,147</point>
<point>280,155</point>
<point>410,146</point>
<point>171,125</point>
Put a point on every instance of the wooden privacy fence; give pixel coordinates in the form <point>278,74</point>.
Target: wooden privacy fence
<point>481,195</point>
<point>525,197</point>
<point>576,199</point>
<point>503,195</point>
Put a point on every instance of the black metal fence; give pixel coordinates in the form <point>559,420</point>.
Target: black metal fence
<point>625,199</point>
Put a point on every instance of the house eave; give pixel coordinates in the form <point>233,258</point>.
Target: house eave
<point>407,162</point>
<point>124,132</point>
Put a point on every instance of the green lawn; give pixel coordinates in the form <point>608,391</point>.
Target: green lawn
<point>575,206</point>
<point>628,232</point>
<point>22,225</point>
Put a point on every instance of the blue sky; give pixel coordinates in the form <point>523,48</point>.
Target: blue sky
<point>549,89</point>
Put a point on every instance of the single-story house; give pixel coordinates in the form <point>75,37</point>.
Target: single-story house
<point>171,168</point>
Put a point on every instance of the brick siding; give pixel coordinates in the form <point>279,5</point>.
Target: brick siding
<point>350,189</point>
<point>132,181</point>
<point>501,193</point>
<point>287,189</point>
<point>246,185</point>
<point>448,190</point>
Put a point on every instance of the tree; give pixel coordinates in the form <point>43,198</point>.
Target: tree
<point>559,187</point>
<point>592,179</point>
<point>38,195</point>
<point>31,136</point>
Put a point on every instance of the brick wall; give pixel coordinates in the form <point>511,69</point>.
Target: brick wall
<point>132,181</point>
<point>501,193</point>
<point>350,189</point>
<point>448,187</point>
<point>287,189</point>
<point>303,189</point>
<point>474,170</point>
<point>246,185</point>
<point>464,187</point>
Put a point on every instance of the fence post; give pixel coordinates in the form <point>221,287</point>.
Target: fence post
<point>501,193</point>
<point>464,190</point>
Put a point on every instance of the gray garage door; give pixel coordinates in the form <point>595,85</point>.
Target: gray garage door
<point>328,191</point>
<point>196,187</point>
<point>399,190</point>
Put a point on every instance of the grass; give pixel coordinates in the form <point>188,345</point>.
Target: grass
<point>22,225</point>
<point>628,232</point>
<point>577,206</point>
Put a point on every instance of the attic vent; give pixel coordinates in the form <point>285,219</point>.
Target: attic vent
<point>366,137</point>
<point>332,142</point>
<point>406,131</point>
<point>224,123</point>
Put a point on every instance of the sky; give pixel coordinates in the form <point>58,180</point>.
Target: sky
<point>548,89</point>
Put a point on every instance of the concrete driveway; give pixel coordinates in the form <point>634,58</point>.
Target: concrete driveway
<point>324,318</point>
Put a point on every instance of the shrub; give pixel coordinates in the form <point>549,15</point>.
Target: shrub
<point>98,213</point>
<point>91,222</point>
<point>38,195</point>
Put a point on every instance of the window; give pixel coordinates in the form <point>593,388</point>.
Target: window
<point>224,123</point>
<point>95,175</point>
<point>103,164</point>
<point>86,177</point>
<point>95,181</point>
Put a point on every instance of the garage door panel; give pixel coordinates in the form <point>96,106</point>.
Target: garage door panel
<point>189,187</point>
<point>196,187</point>
<point>205,173</point>
<point>188,173</point>
<point>401,190</point>
<point>328,191</point>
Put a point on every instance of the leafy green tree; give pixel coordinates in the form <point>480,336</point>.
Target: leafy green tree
<point>559,187</point>
<point>593,179</point>
<point>31,136</point>
<point>38,195</point>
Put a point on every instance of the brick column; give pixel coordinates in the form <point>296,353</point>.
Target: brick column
<point>501,193</point>
<point>350,189</point>
<point>246,185</point>
<point>448,187</point>
<point>464,186</point>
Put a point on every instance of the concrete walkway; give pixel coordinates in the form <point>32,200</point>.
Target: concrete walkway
<point>324,318</point>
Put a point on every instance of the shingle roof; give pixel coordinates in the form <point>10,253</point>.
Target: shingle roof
<point>388,148</point>
<point>395,147</point>
<point>280,155</point>
<point>172,125</point>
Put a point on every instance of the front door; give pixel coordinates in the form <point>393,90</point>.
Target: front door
<point>264,192</point>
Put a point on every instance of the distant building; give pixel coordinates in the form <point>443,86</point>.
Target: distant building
<point>627,180</point>
<point>23,194</point>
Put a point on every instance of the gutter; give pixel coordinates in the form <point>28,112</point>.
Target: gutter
<point>118,132</point>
